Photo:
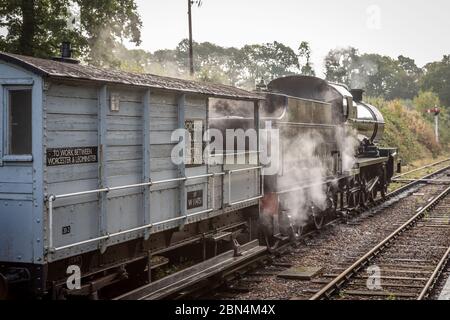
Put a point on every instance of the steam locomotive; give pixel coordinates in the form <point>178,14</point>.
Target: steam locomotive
<point>331,163</point>
<point>92,203</point>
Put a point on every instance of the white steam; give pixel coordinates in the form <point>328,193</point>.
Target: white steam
<point>346,138</point>
<point>307,168</point>
<point>304,167</point>
<point>361,76</point>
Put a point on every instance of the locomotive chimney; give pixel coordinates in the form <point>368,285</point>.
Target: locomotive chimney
<point>261,86</point>
<point>357,94</point>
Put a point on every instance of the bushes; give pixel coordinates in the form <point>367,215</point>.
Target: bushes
<point>408,130</point>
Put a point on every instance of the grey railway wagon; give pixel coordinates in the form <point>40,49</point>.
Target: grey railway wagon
<point>85,159</point>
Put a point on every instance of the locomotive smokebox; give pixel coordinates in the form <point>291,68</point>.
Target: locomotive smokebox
<point>358,94</point>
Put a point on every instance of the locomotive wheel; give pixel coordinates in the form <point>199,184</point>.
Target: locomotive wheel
<point>384,190</point>
<point>363,194</point>
<point>318,217</point>
<point>297,232</point>
<point>383,183</point>
<point>271,242</point>
<point>266,232</point>
<point>373,195</point>
<point>352,197</point>
<point>332,200</point>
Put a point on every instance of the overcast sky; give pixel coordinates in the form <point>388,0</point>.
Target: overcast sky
<point>415,28</point>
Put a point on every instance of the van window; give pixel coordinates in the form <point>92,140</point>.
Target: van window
<point>19,122</point>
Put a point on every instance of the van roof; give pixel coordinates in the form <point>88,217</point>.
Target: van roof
<point>70,71</point>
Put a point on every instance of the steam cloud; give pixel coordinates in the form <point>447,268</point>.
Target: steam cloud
<point>361,76</point>
<point>347,142</point>
<point>303,166</point>
<point>306,168</point>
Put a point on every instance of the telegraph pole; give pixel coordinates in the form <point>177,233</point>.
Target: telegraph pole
<point>191,49</point>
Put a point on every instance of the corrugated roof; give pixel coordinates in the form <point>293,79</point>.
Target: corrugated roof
<point>56,69</point>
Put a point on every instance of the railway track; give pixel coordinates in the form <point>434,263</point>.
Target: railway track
<point>407,264</point>
<point>336,248</point>
<point>204,281</point>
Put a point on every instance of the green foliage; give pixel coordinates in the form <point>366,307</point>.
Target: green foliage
<point>444,125</point>
<point>426,100</point>
<point>238,67</point>
<point>268,61</point>
<point>339,64</point>
<point>407,129</point>
<point>378,75</point>
<point>304,53</point>
<point>38,27</point>
<point>211,62</point>
<point>437,79</point>
<point>131,60</point>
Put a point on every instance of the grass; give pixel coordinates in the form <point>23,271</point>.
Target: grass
<point>410,131</point>
<point>421,173</point>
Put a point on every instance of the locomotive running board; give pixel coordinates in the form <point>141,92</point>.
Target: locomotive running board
<point>178,281</point>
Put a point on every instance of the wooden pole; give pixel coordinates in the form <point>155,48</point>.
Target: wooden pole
<point>191,50</point>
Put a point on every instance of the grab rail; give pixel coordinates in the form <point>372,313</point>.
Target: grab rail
<point>52,198</point>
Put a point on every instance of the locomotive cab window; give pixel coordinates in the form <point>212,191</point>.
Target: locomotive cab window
<point>18,122</point>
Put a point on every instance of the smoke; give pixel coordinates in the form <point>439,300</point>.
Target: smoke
<point>347,141</point>
<point>303,166</point>
<point>307,168</point>
<point>74,17</point>
<point>361,76</point>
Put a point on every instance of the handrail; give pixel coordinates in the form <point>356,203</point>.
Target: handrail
<point>52,198</point>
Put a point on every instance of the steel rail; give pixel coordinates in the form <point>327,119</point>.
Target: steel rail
<point>435,276</point>
<point>345,276</point>
<point>421,168</point>
<point>380,201</point>
<point>249,263</point>
<point>416,182</point>
<point>444,181</point>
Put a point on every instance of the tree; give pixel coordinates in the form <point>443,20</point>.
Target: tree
<point>164,62</point>
<point>339,63</point>
<point>437,79</point>
<point>426,100</point>
<point>211,62</point>
<point>135,60</point>
<point>267,62</point>
<point>304,53</point>
<point>409,66</point>
<point>38,27</point>
<point>379,75</point>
